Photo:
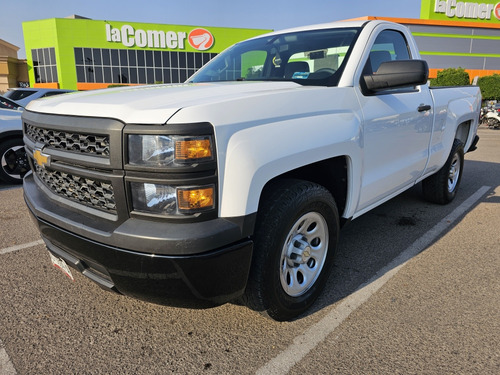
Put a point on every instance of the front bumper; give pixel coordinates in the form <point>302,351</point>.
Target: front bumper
<point>210,276</point>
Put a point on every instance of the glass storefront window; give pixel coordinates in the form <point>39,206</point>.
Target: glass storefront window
<point>44,64</point>
<point>103,65</point>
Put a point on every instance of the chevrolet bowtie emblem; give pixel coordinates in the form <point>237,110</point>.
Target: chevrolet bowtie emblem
<point>41,159</point>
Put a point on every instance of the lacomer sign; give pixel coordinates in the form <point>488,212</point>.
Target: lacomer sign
<point>476,11</point>
<point>200,39</point>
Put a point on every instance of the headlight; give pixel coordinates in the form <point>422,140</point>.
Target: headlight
<point>169,200</point>
<point>165,150</point>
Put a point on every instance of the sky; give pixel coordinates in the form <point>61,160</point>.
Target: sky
<point>253,14</point>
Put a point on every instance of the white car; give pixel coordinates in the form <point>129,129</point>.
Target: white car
<point>23,96</point>
<point>13,163</point>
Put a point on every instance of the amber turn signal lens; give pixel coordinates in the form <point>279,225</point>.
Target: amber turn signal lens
<point>193,149</point>
<point>195,199</point>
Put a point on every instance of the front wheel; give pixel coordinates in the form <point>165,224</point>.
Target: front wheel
<point>295,240</point>
<point>442,187</point>
<point>13,161</point>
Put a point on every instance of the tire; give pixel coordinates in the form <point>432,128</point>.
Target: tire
<point>442,187</point>
<point>295,240</point>
<point>493,123</point>
<point>13,161</point>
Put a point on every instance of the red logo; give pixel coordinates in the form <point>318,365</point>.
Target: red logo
<point>201,39</point>
<point>497,11</point>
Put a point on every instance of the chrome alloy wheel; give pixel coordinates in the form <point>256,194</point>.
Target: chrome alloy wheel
<point>303,254</point>
<point>454,173</point>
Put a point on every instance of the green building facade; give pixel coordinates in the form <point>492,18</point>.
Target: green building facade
<point>81,54</point>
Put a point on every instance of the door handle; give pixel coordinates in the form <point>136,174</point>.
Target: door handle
<point>424,107</point>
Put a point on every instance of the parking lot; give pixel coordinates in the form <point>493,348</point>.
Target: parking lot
<point>415,289</point>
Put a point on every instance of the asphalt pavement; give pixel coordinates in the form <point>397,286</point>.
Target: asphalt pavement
<point>414,290</point>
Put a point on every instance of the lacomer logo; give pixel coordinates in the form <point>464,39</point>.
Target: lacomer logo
<point>467,10</point>
<point>127,35</point>
<point>201,39</point>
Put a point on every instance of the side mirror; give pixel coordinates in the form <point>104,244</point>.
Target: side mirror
<point>395,74</point>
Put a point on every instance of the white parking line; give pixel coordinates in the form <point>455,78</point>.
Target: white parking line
<point>20,247</point>
<point>6,366</point>
<point>307,341</point>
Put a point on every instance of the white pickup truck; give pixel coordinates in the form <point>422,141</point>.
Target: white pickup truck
<point>233,186</point>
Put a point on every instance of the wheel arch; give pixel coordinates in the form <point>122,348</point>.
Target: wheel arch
<point>333,174</point>
<point>12,134</point>
<point>465,133</point>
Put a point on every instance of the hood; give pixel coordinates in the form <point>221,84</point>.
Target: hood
<point>153,104</point>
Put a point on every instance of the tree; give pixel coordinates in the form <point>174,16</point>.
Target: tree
<point>490,87</point>
<point>451,77</point>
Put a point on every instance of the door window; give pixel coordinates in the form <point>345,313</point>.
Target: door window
<point>389,45</point>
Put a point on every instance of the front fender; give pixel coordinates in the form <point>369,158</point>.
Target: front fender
<point>256,155</point>
<point>268,133</point>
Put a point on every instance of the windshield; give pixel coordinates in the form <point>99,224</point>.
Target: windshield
<point>18,94</point>
<point>309,57</point>
<point>7,103</point>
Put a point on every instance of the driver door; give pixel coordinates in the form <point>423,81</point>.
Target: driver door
<point>397,129</point>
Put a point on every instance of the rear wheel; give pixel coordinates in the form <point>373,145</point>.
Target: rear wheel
<point>442,187</point>
<point>13,161</point>
<point>295,240</point>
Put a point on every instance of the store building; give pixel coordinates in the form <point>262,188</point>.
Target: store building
<point>81,54</point>
<point>13,71</point>
<point>457,34</point>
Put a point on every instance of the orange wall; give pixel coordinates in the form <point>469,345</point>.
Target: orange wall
<point>50,85</point>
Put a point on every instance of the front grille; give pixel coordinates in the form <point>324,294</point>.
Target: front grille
<point>97,145</point>
<point>87,191</point>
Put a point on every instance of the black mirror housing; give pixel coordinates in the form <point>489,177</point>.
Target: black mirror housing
<point>396,74</point>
